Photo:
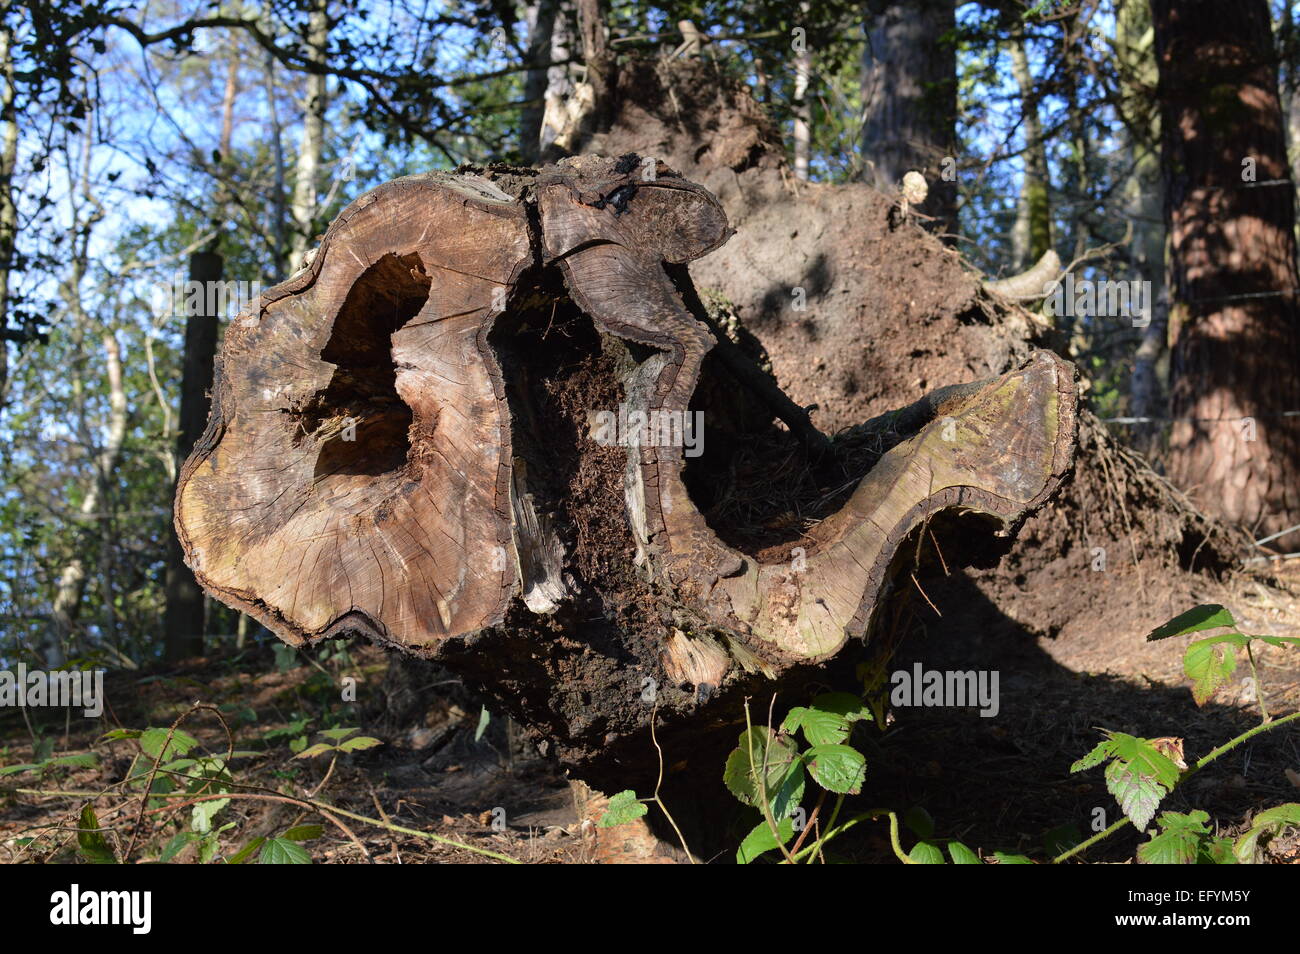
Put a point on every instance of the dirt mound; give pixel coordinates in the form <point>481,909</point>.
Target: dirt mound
<point>861,311</point>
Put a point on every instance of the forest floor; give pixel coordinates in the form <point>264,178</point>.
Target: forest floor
<point>451,788</point>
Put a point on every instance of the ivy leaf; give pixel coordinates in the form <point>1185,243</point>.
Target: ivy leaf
<point>1196,619</point>
<point>926,853</point>
<point>623,808</point>
<point>1179,840</point>
<point>760,840</point>
<point>1209,663</point>
<point>836,768</point>
<point>281,851</point>
<point>961,855</point>
<point>1266,823</point>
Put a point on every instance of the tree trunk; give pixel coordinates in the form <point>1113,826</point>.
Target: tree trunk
<point>8,210</point>
<point>909,96</point>
<point>1031,236</point>
<point>1144,196</point>
<point>311,147</point>
<point>1234,324</point>
<point>474,430</point>
<point>541,29</point>
<point>183,623</point>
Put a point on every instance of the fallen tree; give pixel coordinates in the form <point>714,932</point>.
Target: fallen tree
<point>493,424</point>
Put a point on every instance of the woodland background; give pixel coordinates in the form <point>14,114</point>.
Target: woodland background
<point>143,146</point>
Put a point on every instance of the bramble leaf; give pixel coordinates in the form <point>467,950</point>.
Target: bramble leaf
<point>1266,823</point>
<point>837,768</point>
<point>769,763</point>
<point>1208,663</point>
<point>760,840</point>
<point>1196,619</point>
<point>623,808</point>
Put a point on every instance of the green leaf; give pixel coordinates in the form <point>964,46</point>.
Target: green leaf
<point>1148,759</point>
<point>1138,794</point>
<point>82,760</point>
<point>836,768</point>
<point>1217,851</point>
<point>760,840</point>
<point>926,853</point>
<point>961,855</point>
<point>1280,641</point>
<point>15,769</point>
<point>484,717</point>
<point>1179,840</point>
<point>176,845</point>
<point>304,832</point>
<point>1196,619</point>
<point>91,842</point>
<point>281,851</point>
<point>1209,663</point>
<point>320,748</point>
<point>114,734</point>
<point>1002,858</point>
<point>819,728</point>
<point>623,808</point>
<point>202,814</point>
<point>918,821</point>
<point>1101,753</point>
<point>765,762</point>
<point>359,743</point>
<point>1061,838</point>
<point>1265,823</point>
<point>337,733</point>
<point>246,852</point>
<point>153,740</point>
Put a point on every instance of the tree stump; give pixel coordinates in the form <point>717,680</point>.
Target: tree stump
<point>492,424</point>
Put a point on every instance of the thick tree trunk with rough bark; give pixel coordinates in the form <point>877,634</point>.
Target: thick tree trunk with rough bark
<point>492,424</point>
<point>909,98</point>
<point>1234,319</point>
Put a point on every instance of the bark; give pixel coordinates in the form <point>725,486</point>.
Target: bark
<point>1144,197</point>
<point>8,211</point>
<point>414,426</point>
<point>802,109</point>
<point>71,586</point>
<point>1031,236</point>
<point>909,94</point>
<point>541,29</point>
<point>304,205</point>
<point>183,618</point>
<point>1234,324</point>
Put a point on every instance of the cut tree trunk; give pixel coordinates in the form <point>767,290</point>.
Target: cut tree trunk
<point>492,424</point>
